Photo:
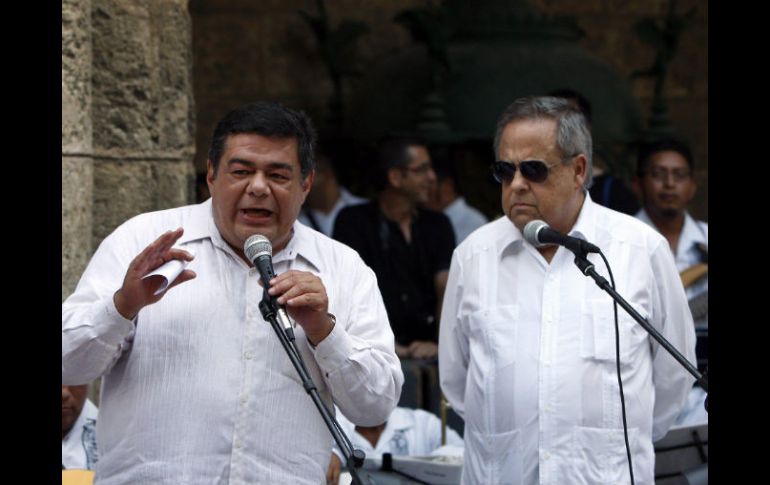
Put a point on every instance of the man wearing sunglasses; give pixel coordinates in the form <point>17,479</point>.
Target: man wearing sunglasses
<point>527,342</point>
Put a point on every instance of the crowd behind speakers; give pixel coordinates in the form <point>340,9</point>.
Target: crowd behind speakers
<point>430,280</point>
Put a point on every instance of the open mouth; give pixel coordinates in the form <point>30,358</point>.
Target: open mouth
<point>257,212</point>
<point>256,216</point>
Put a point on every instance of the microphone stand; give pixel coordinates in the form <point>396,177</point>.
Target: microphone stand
<point>587,268</point>
<point>354,458</point>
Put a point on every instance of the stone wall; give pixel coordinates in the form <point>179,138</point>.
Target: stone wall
<point>142,109</point>
<point>77,156</point>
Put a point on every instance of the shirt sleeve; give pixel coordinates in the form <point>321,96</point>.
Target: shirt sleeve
<point>453,353</point>
<point>672,318</point>
<point>357,359</point>
<point>94,334</point>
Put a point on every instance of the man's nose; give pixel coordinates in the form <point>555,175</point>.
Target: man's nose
<point>518,182</point>
<point>258,185</point>
<point>431,174</point>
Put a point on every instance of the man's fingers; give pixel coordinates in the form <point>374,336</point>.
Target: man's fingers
<point>153,255</point>
<point>290,286</point>
<point>312,300</point>
<point>296,291</point>
<point>176,253</point>
<point>283,282</point>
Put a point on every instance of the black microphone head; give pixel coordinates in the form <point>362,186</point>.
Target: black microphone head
<point>531,231</point>
<point>256,246</point>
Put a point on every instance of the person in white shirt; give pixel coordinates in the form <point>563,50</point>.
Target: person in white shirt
<point>78,429</point>
<point>326,198</point>
<point>446,197</point>
<point>527,342</point>
<point>196,387</point>
<point>408,432</point>
<point>666,184</point>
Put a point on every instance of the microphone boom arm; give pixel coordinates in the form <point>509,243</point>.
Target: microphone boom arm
<point>354,458</point>
<point>587,268</point>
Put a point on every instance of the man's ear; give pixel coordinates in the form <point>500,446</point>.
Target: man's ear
<point>307,184</point>
<point>210,173</point>
<point>394,177</point>
<point>581,169</point>
<point>692,188</point>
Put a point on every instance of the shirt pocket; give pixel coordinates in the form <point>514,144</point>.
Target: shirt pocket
<point>598,332</point>
<point>493,458</point>
<point>495,332</point>
<point>600,454</point>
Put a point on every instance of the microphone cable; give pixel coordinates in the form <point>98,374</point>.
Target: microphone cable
<point>617,367</point>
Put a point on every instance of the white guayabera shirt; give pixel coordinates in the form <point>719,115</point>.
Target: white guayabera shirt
<point>197,389</point>
<point>527,354</point>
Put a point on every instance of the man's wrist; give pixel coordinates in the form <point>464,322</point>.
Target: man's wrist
<point>118,299</point>
<point>318,338</point>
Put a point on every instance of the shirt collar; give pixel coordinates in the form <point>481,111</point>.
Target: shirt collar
<point>302,244</point>
<point>201,225</point>
<point>584,228</point>
<point>585,225</point>
<point>456,206</point>
<point>400,420</point>
<point>691,232</point>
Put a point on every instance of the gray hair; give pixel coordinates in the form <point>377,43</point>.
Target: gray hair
<point>572,134</point>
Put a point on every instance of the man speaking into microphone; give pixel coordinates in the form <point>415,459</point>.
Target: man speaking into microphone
<point>527,342</point>
<point>196,387</point>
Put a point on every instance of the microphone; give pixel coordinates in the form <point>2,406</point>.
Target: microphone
<point>260,252</point>
<point>538,233</point>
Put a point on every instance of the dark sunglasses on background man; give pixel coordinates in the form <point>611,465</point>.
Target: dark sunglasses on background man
<point>532,170</point>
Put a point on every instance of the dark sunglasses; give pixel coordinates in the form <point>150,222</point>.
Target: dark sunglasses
<point>532,170</point>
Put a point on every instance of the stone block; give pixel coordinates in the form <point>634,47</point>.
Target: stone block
<point>142,86</point>
<point>77,191</point>
<point>76,76</point>
<point>123,189</point>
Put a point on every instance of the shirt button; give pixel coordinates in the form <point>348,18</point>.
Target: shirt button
<point>248,355</point>
<point>546,455</point>
<point>244,399</point>
<point>238,444</point>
